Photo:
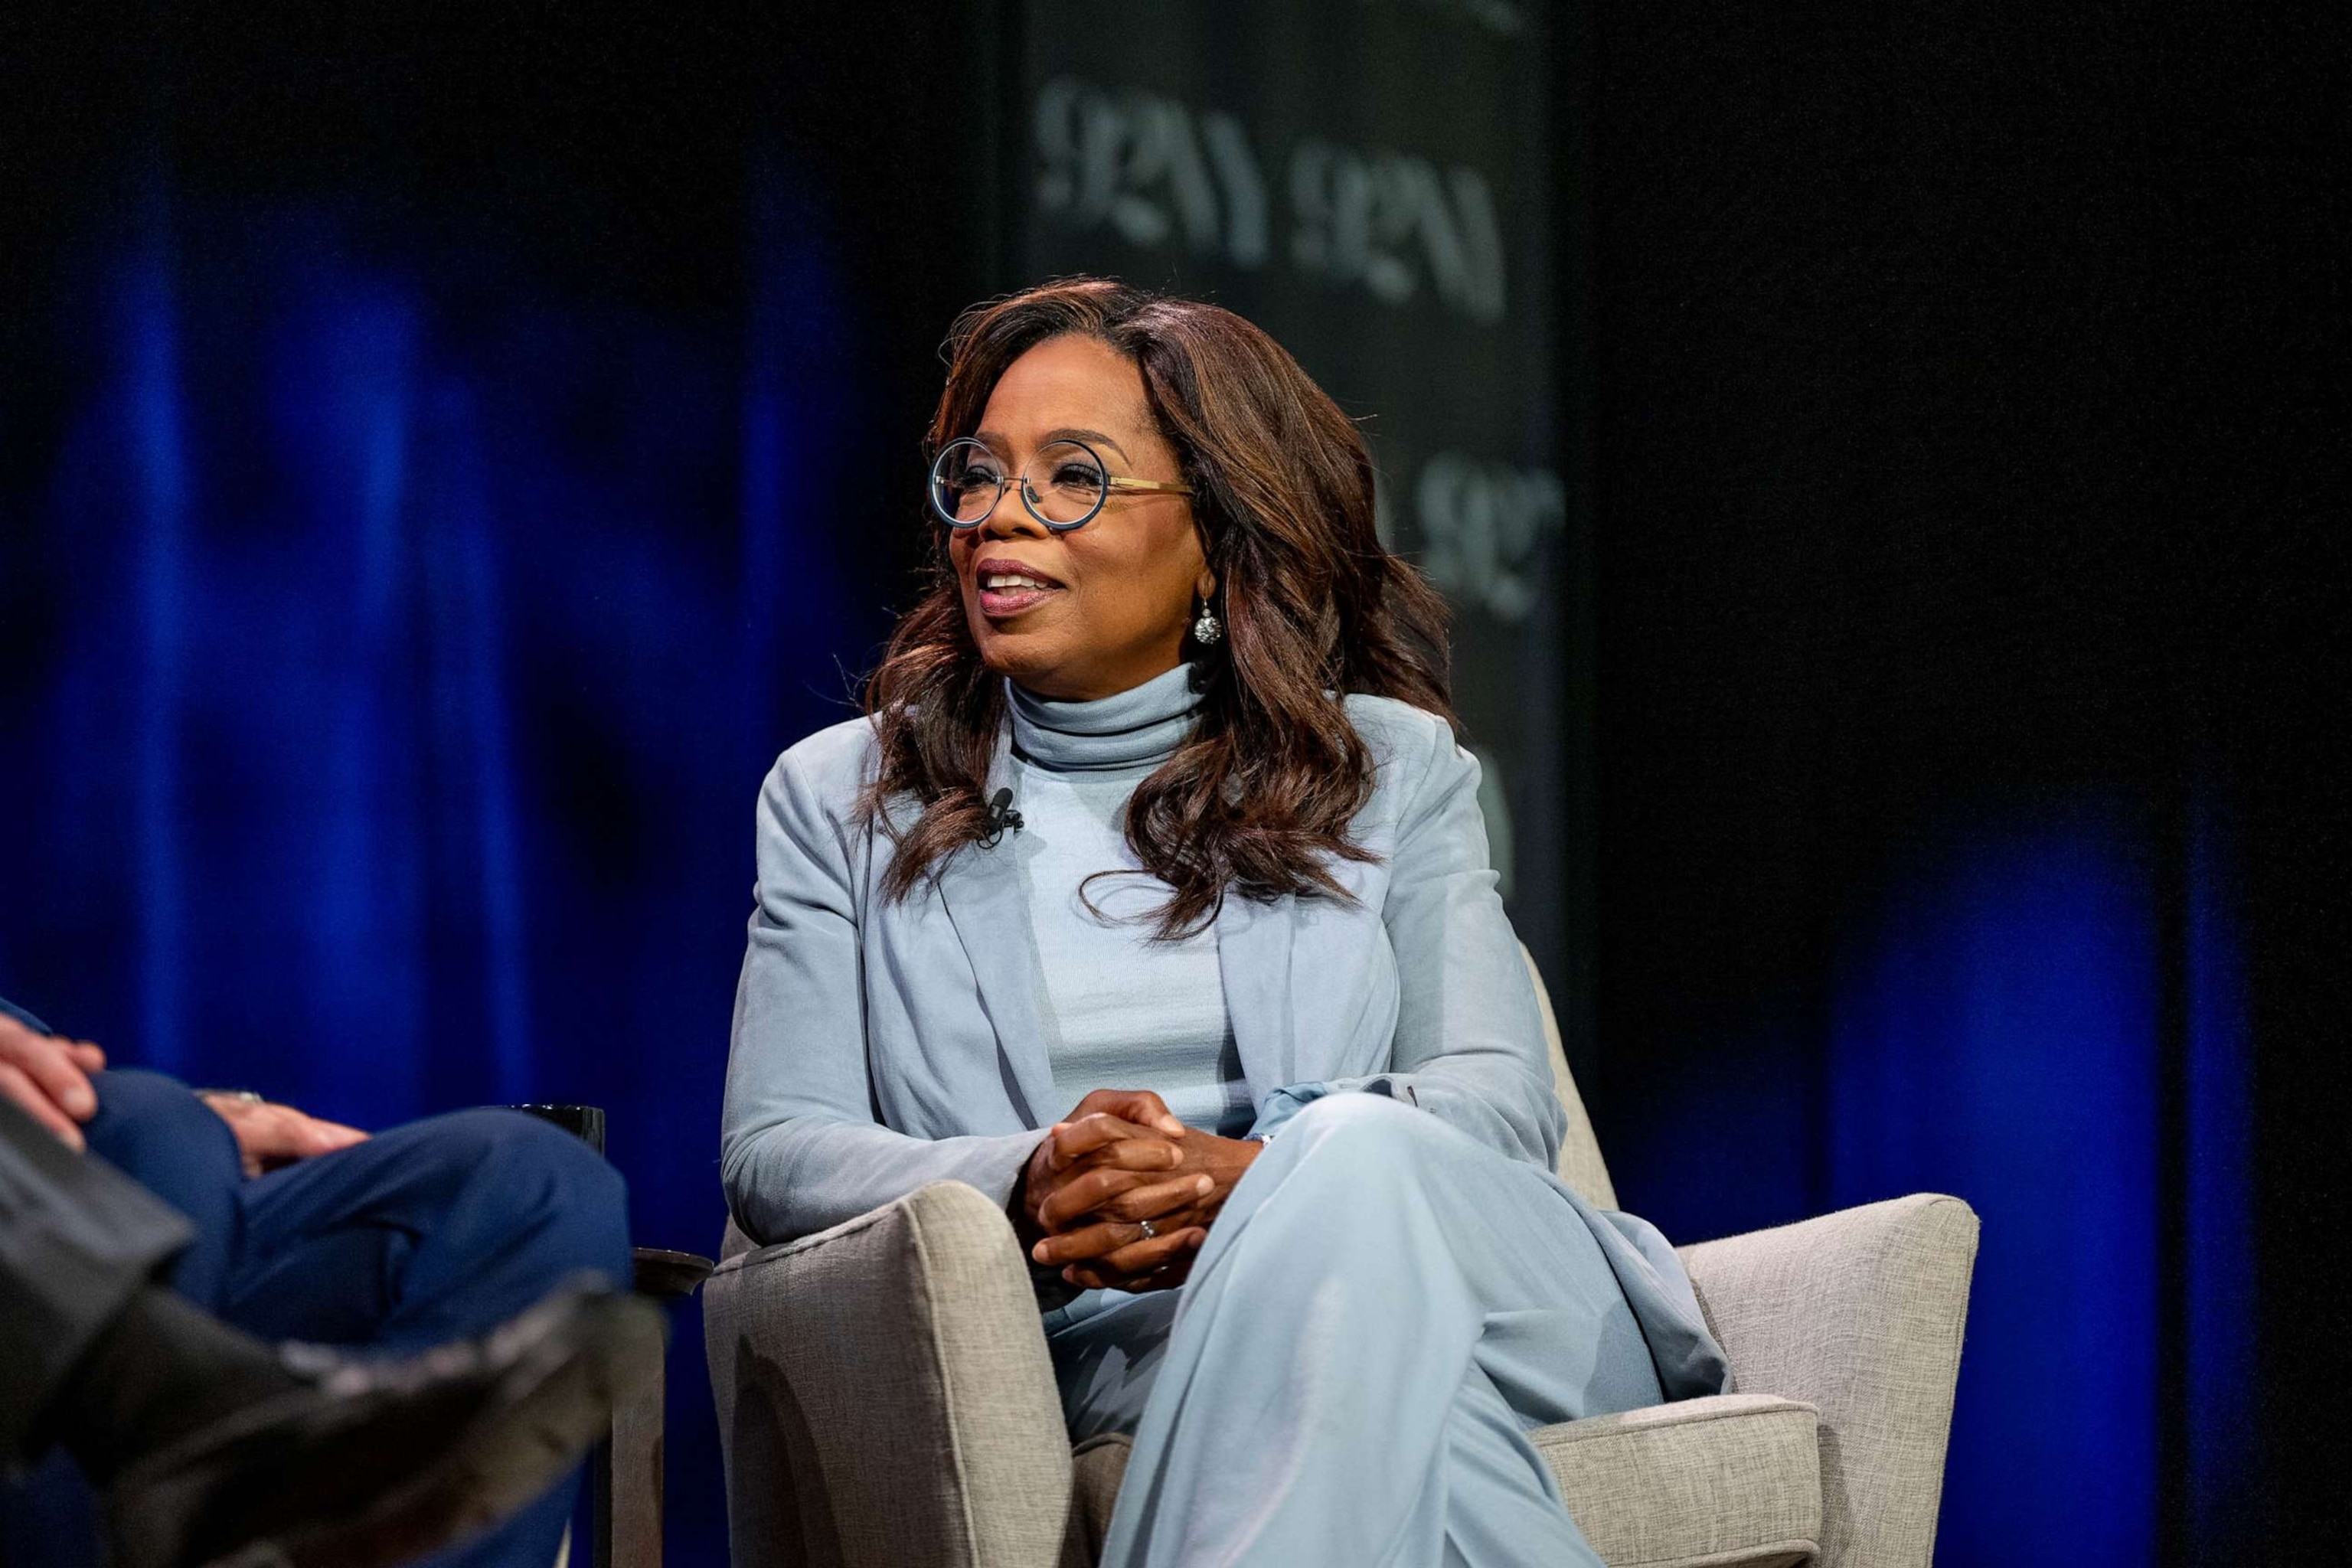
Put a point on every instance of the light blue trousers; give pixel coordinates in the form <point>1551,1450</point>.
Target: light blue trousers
<point>1383,1311</point>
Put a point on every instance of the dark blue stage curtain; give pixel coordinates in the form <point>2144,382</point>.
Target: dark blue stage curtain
<point>2045,1016</point>
<point>394,656</point>
<point>2001,1033</point>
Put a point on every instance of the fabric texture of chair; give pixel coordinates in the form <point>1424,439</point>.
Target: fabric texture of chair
<point>885,1395</point>
<point>1580,1164</point>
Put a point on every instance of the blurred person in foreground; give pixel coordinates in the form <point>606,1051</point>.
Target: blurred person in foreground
<point>1151,897</point>
<point>269,1226</point>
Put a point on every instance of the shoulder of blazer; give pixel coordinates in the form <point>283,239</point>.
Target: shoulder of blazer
<point>812,789</point>
<point>1407,745</point>
<point>832,764</point>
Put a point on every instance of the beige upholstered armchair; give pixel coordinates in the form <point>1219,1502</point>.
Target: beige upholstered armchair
<point>884,1395</point>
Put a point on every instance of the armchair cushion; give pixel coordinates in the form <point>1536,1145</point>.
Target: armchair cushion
<point>1731,1480</point>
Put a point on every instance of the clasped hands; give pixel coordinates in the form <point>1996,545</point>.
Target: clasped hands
<point>1116,1161</point>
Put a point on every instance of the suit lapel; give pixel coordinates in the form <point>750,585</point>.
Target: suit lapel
<point>981,890</point>
<point>1253,942</point>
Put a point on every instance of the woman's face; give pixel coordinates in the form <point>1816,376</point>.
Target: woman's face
<point>1118,591</point>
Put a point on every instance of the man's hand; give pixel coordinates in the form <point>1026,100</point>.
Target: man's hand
<point>1120,1159</point>
<point>49,1077</point>
<point>270,1135</point>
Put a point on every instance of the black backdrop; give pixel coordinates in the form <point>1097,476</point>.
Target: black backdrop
<point>1967,643</point>
<point>1963,439</point>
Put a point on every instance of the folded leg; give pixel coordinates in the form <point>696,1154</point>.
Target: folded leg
<point>156,1132</point>
<point>435,1231</point>
<point>432,1231</point>
<point>1382,1311</point>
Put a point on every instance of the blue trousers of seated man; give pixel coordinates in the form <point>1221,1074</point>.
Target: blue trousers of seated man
<point>432,1231</point>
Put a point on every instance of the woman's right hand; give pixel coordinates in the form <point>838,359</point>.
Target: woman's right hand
<point>1111,1158</point>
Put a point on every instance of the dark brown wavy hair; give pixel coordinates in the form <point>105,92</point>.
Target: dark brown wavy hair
<point>1261,794</point>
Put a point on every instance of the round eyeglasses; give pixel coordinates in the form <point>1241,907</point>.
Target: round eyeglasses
<point>1062,487</point>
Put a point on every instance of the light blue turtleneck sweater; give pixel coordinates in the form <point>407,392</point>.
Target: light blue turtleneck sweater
<point>1119,1010</point>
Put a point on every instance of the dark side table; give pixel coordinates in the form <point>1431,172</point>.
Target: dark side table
<point>627,1468</point>
<point>626,1473</point>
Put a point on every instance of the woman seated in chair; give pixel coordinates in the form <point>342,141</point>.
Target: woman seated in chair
<point>1150,898</point>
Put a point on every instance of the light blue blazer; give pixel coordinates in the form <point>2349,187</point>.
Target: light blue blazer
<point>880,1045</point>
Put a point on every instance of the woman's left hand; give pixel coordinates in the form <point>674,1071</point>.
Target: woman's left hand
<point>1098,1240</point>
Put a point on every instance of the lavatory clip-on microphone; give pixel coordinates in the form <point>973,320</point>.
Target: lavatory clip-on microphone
<point>1001,816</point>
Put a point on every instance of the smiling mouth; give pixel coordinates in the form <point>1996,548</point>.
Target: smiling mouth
<point>1006,593</point>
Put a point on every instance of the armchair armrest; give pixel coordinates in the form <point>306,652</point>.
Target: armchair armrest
<point>884,1395</point>
<point>1860,1313</point>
